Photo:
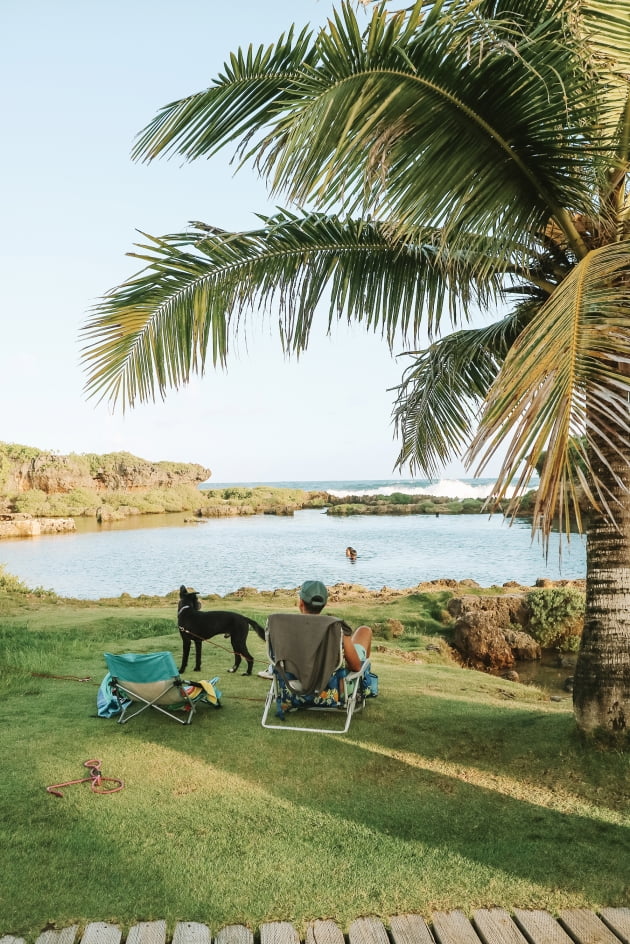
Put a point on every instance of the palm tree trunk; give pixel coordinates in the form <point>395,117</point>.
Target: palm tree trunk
<point>601,692</point>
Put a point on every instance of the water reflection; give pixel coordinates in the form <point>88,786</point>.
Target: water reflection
<point>550,673</point>
<point>135,522</point>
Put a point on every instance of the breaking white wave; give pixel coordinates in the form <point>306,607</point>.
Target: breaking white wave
<point>342,488</point>
<point>445,488</point>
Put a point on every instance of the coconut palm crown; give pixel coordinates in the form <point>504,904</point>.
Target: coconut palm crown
<point>435,161</point>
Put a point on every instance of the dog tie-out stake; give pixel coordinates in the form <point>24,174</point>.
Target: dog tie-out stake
<point>95,780</point>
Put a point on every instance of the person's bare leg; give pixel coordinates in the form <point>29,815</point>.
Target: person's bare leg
<point>363,636</point>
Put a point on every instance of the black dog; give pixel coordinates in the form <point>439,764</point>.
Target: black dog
<point>197,626</point>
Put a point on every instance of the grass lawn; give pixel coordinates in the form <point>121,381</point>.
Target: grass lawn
<point>453,789</point>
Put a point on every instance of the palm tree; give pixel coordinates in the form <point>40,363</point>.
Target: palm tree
<point>435,160</point>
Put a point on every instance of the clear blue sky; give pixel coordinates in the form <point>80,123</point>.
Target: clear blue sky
<point>79,80</point>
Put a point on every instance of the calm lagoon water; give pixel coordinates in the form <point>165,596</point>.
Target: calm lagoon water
<point>155,554</point>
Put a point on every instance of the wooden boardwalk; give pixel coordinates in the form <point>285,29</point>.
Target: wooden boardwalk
<point>486,926</point>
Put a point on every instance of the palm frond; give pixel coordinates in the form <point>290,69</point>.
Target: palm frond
<point>441,119</point>
<point>430,116</point>
<point>248,94</point>
<point>442,390</point>
<point>606,27</point>
<point>566,381</point>
<point>197,289</point>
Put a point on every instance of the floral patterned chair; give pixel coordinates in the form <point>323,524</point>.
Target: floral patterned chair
<point>306,656</point>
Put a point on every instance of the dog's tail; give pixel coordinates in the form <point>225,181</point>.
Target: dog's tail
<point>254,625</point>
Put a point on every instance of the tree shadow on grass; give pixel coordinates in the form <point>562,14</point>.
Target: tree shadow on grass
<point>419,807</point>
<point>434,782</point>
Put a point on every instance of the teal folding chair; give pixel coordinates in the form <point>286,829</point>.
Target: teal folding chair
<point>142,681</point>
<point>306,656</point>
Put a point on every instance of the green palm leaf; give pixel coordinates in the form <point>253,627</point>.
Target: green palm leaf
<point>475,141</point>
<point>426,118</point>
<point>249,93</point>
<point>443,389</point>
<point>154,331</point>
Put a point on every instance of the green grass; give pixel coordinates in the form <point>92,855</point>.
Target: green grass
<point>453,789</point>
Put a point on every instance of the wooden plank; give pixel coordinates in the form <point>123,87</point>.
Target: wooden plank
<point>324,932</point>
<point>367,931</point>
<point>495,926</point>
<point>63,936</point>
<point>234,934</point>
<point>453,927</point>
<point>278,932</point>
<point>410,929</point>
<point>147,932</point>
<point>190,932</point>
<point>618,920</point>
<point>585,927</point>
<point>539,927</point>
<point>100,932</point>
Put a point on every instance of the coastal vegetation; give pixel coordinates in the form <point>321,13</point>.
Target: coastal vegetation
<point>453,789</point>
<point>85,502</point>
<point>180,498</point>
<point>438,161</point>
<point>400,503</point>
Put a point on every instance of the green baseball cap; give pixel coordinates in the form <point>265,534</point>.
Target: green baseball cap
<point>313,593</point>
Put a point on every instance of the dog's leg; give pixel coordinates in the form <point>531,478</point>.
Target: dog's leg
<point>185,650</point>
<point>237,662</point>
<point>248,658</point>
<point>197,655</point>
<point>237,648</point>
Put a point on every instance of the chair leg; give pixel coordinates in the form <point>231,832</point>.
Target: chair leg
<point>135,698</point>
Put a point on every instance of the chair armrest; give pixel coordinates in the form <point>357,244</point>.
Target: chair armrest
<point>352,676</point>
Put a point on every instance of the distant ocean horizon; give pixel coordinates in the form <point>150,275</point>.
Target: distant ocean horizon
<point>154,554</point>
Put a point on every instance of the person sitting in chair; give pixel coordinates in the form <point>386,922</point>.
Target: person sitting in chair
<point>357,645</point>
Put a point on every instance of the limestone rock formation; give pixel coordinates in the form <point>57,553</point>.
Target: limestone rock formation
<point>54,474</point>
<point>25,526</point>
<point>489,631</point>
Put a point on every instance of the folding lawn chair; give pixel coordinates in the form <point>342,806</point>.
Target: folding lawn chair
<point>306,656</point>
<point>152,681</point>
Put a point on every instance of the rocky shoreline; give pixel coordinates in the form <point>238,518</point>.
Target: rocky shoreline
<point>26,526</point>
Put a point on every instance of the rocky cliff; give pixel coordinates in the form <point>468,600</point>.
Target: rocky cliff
<point>23,469</point>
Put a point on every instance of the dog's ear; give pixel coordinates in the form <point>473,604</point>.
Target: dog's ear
<point>183,591</point>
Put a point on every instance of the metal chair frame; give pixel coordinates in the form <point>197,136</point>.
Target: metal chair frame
<point>129,693</point>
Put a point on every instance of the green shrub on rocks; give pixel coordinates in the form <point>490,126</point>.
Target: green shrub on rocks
<point>556,617</point>
<point>77,503</point>
<point>400,503</point>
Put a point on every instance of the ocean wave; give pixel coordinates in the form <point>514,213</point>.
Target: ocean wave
<point>342,488</point>
<point>445,488</point>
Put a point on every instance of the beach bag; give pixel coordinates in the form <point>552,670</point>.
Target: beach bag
<point>107,705</point>
<point>370,682</point>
